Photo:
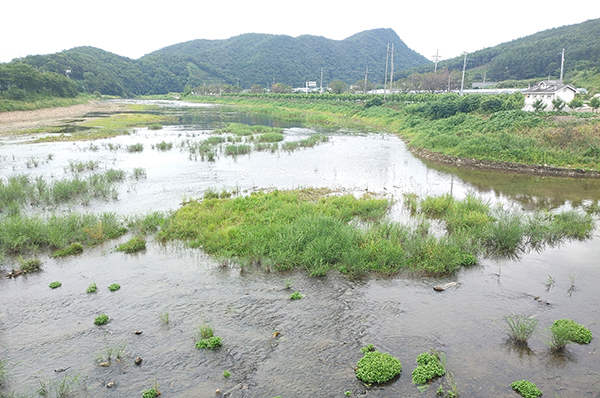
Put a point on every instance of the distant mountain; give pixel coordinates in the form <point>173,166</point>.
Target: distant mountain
<point>534,56</point>
<point>243,60</point>
<point>255,58</point>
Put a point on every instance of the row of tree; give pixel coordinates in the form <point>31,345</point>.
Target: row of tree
<point>19,81</point>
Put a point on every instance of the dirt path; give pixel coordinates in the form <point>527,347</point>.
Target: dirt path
<point>22,120</point>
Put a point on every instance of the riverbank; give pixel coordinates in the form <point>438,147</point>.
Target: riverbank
<point>17,121</point>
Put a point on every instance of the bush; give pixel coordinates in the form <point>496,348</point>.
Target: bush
<point>429,366</point>
<point>377,367</point>
<point>213,342</point>
<point>295,296</point>
<point>572,331</point>
<point>101,319</point>
<point>526,389</point>
<point>132,245</point>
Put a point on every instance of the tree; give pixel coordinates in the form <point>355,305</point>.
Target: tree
<point>558,104</point>
<point>595,103</point>
<point>281,88</point>
<point>575,103</point>
<point>337,86</point>
<point>539,105</point>
<point>359,86</point>
<point>256,88</point>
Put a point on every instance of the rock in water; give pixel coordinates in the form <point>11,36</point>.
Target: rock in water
<point>138,361</point>
<point>441,288</point>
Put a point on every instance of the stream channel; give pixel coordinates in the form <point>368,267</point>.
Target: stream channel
<point>318,339</point>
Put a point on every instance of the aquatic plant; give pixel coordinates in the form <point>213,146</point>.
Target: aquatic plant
<point>139,173</point>
<point>155,126</point>
<point>270,137</point>
<point>520,327</point>
<point>288,284</point>
<point>114,287</point>
<point>164,318</point>
<point>29,265</point>
<point>54,285</point>
<point>526,389</point>
<point>150,393</point>
<point>377,367</point>
<point>109,352</point>
<point>564,331</point>
<point>296,296</point>
<point>133,245</point>
<point>212,343</point>
<point>92,288</point>
<point>139,147</point>
<point>226,374</point>
<point>70,250</point>
<point>234,150</point>
<point>164,146</point>
<point>101,319</point>
<point>61,388</point>
<point>3,372</point>
<point>429,366</point>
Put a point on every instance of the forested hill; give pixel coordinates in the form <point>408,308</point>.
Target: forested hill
<point>534,56</point>
<point>242,60</point>
<point>265,59</point>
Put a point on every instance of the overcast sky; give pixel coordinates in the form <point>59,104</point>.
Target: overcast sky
<point>133,28</point>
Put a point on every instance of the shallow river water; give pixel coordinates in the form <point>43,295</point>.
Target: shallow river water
<point>273,346</point>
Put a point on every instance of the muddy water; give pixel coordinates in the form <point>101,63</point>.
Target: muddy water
<point>320,336</point>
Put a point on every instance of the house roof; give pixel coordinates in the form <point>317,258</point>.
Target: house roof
<point>548,87</point>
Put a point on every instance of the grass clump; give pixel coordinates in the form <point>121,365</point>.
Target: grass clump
<point>101,319</point>
<point>3,372</point>
<point>29,265</point>
<point>429,366</point>
<point>164,318</point>
<point>205,338</point>
<point>526,389</point>
<point>564,331</point>
<point>234,150</point>
<point>150,393</point>
<point>164,146</point>
<point>270,137</point>
<point>377,367</point>
<point>114,287</point>
<point>133,245</point>
<point>54,285</point>
<point>70,250</point>
<point>520,327</point>
<point>139,147</point>
<point>296,296</point>
<point>155,126</point>
<point>92,288</point>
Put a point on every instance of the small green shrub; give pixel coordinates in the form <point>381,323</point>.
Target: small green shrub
<point>295,296</point>
<point>92,288</point>
<point>101,319</point>
<point>55,285</point>
<point>526,389</point>
<point>520,327</point>
<point>377,367</point>
<point>70,250</point>
<point>429,366</point>
<point>135,147</point>
<point>114,287</point>
<point>226,374</point>
<point>150,393</point>
<point>132,245</point>
<point>213,342</point>
<point>31,265</point>
<point>571,331</point>
<point>164,318</point>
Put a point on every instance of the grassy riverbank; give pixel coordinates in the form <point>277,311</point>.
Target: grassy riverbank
<point>486,128</point>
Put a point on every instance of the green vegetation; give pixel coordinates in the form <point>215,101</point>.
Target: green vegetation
<point>3,372</point>
<point>69,250</point>
<point>565,331</point>
<point>133,245</point>
<point>429,366</point>
<point>150,393</point>
<point>21,190</point>
<point>114,287</point>
<point>20,233</point>
<point>115,351</point>
<point>314,229</point>
<point>520,327</point>
<point>377,367</point>
<point>205,338</point>
<point>226,374</point>
<point>164,318</point>
<point>164,146</point>
<point>92,288</point>
<point>101,319</point>
<point>526,389</point>
<point>54,285</point>
<point>29,265</point>
<point>139,147</point>
<point>296,296</point>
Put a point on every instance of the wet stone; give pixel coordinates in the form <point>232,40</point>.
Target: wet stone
<point>138,361</point>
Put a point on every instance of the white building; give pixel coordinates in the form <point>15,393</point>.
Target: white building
<point>547,91</point>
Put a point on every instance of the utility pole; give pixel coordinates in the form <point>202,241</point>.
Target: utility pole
<point>392,72</point>
<point>365,86</point>
<point>321,90</point>
<point>562,64</point>
<point>436,59</point>
<point>462,84</point>
<point>387,56</point>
